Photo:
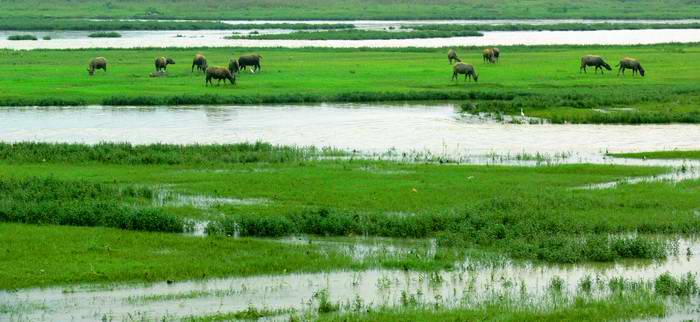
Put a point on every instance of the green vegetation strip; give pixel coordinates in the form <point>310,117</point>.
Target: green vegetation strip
<point>27,23</point>
<point>103,34</point>
<point>631,305</point>
<point>356,34</point>
<point>554,27</point>
<point>159,154</point>
<point>22,37</point>
<point>50,255</point>
<point>676,154</point>
<point>80,203</point>
<point>542,81</point>
<point>350,9</point>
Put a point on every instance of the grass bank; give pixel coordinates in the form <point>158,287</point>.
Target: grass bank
<point>51,255</point>
<point>352,9</point>
<point>543,81</point>
<point>555,27</point>
<point>356,34</point>
<point>28,24</point>
<point>676,154</point>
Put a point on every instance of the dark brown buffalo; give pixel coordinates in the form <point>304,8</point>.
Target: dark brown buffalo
<point>97,63</point>
<point>630,63</point>
<point>200,61</point>
<point>219,73</point>
<point>233,66</point>
<point>163,62</point>
<point>489,55</point>
<point>593,60</point>
<point>452,56</point>
<point>250,60</point>
<point>466,69</point>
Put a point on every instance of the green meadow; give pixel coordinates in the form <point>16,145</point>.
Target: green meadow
<point>542,81</point>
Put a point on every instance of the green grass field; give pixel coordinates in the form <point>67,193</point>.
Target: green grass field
<point>544,81</point>
<point>531,213</point>
<point>353,9</point>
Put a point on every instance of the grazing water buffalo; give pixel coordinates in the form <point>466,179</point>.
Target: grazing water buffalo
<point>496,53</point>
<point>452,56</point>
<point>200,61</point>
<point>489,55</point>
<point>630,63</point>
<point>466,69</point>
<point>97,63</point>
<point>163,62</point>
<point>219,73</point>
<point>233,66</point>
<point>592,60</point>
<point>249,60</point>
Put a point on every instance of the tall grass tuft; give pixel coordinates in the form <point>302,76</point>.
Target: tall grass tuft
<point>79,203</point>
<point>667,285</point>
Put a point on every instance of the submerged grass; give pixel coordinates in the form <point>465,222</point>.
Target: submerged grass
<point>520,233</point>
<point>631,305</point>
<point>542,81</point>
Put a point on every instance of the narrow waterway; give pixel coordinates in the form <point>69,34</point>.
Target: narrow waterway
<point>215,38</point>
<point>437,129</point>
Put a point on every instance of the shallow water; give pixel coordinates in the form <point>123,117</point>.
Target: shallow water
<point>174,199</point>
<point>371,128</point>
<point>468,285</point>
<point>214,38</point>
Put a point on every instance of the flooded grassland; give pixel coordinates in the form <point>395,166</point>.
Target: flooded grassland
<point>415,236</point>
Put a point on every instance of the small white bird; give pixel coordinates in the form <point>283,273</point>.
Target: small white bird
<point>521,112</point>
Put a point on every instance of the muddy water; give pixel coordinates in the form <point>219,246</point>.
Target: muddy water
<point>214,38</point>
<point>469,285</point>
<point>434,129</point>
